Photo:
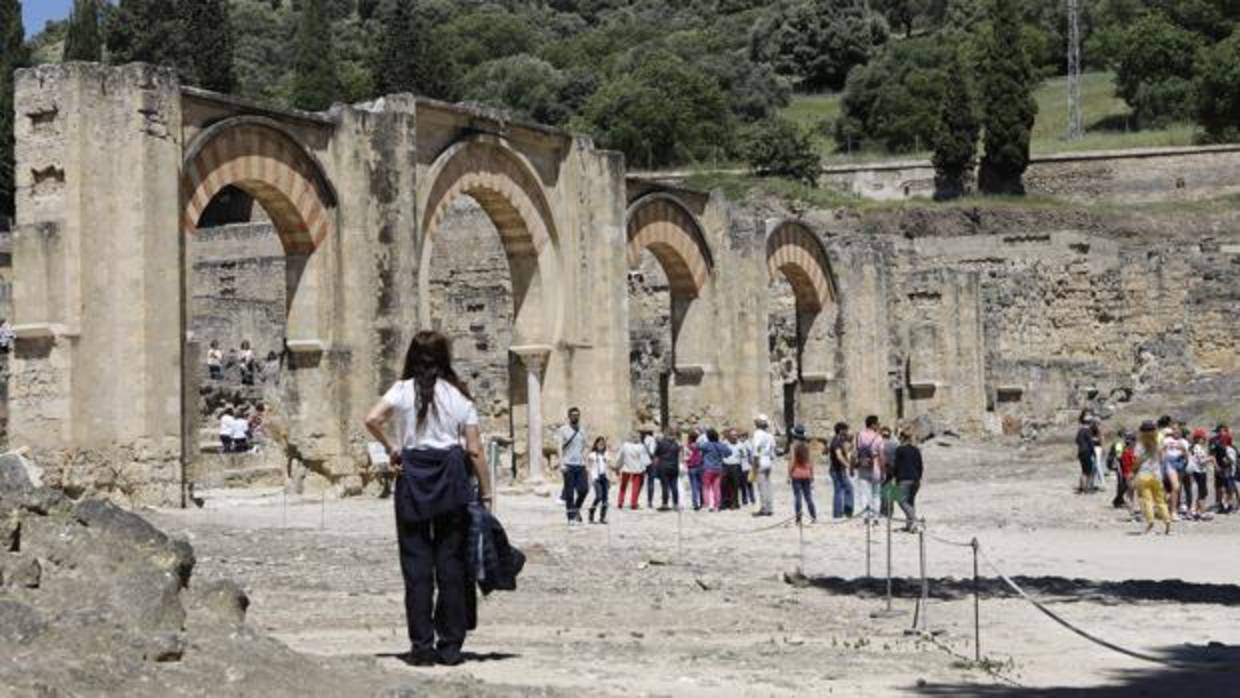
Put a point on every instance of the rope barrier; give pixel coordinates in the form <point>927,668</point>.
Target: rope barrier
<point>1094,638</point>
<point>742,532</point>
<point>944,541</point>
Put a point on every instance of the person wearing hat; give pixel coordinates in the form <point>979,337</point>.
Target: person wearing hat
<point>801,474</point>
<point>1224,469</point>
<point>764,458</point>
<point>1148,480</point>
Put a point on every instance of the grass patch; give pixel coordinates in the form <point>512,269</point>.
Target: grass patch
<point>1107,123</point>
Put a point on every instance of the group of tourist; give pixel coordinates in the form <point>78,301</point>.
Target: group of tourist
<point>241,429</point>
<point>247,363</point>
<point>729,470</point>
<point>1163,471</point>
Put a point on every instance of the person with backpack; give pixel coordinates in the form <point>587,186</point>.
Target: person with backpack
<point>1224,452</point>
<point>713,452</point>
<point>667,466</point>
<point>573,465</point>
<point>868,469</point>
<point>732,472</point>
<point>1196,476</point>
<point>1084,451</point>
<point>744,455</point>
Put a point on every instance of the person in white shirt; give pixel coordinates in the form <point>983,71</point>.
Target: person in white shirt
<point>762,446</point>
<point>434,415</point>
<point>240,432</point>
<point>226,430</point>
<point>573,465</point>
<point>633,465</point>
<point>597,463</point>
<point>215,361</point>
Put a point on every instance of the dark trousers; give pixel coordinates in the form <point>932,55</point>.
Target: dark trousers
<point>1121,488</point>
<point>803,490</point>
<point>842,494</point>
<point>601,486</point>
<point>667,483</point>
<point>651,476</point>
<point>731,486</point>
<point>432,561</point>
<point>695,488</point>
<point>226,443</point>
<point>746,488</point>
<point>576,486</point>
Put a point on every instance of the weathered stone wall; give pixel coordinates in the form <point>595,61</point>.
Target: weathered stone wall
<point>237,287</point>
<point>1147,174</point>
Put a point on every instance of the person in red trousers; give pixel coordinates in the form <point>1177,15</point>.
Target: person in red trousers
<point>632,470</point>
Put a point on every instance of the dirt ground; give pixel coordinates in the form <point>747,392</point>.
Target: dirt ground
<point>700,604</point>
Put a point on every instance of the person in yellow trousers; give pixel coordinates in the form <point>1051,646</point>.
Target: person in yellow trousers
<point>1148,480</point>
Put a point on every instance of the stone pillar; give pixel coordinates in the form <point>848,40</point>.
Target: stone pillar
<point>534,358</point>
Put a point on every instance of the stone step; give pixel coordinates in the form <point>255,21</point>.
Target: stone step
<point>259,476</point>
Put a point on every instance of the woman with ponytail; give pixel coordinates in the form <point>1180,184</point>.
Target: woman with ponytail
<point>434,417</point>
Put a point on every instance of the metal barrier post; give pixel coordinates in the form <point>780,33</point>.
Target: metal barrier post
<point>925,583</point>
<point>977,608</point>
<point>323,509</point>
<point>889,563</point>
<point>680,548</point>
<point>284,508</point>
<point>867,549</point>
<point>801,545</point>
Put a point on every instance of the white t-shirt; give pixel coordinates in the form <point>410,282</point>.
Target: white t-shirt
<point>597,463</point>
<point>763,448</point>
<point>226,425</point>
<point>445,421</point>
<point>633,458</point>
<point>240,428</point>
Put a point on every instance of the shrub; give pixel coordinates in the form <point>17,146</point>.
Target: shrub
<point>778,147</point>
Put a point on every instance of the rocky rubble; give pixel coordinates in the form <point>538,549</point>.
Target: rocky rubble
<point>95,600</point>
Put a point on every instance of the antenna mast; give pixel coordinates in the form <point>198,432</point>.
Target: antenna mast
<point>1075,127</point>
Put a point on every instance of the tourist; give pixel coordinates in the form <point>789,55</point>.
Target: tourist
<point>732,472</point>
<point>7,336</point>
<point>247,363</point>
<point>801,474</point>
<point>596,462</point>
<point>1148,481</point>
<point>693,467</point>
<point>226,430</point>
<point>648,444</point>
<point>1175,468</point>
<point>667,466</point>
<point>632,461</point>
<point>1125,496</point>
<point>240,431</point>
<point>1196,476</point>
<point>713,454</point>
<point>890,444</point>
<point>1096,478</point>
<point>841,484</point>
<point>258,434</point>
<point>215,361</point>
<point>763,445</point>
<point>1084,451</point>
<point>1114,458</point>
<point>907,471</point>
<point>749,472</point>
<point>573,465</point>
<point>868,465</point>
<point>433,411</point>
<point>1224,453</point>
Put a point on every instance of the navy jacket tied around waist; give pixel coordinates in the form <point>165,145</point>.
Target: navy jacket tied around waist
<point>432,482</point>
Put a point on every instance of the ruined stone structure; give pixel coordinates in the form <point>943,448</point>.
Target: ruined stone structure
<point>561,281</point>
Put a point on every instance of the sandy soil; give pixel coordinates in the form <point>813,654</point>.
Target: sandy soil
<point>636,608</point>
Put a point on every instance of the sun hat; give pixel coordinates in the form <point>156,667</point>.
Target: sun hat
<point>798,432</point>
<point>761,419</point>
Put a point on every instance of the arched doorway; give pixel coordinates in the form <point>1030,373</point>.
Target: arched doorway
<point>485,219</point>
<point>802,313</point>
<point>256,205</point>
<point>669,326</point>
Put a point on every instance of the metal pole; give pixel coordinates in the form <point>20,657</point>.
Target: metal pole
<point>284,509</point>
<point>680,548</point>
<point>888,562</point>
<point>801,545</point>
<point>323,509</point>
<point>867,549</point>
<point>977,608</point>
<point>925,582</point>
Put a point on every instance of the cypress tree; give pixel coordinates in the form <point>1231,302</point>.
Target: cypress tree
<point>411,58</point>
<point>82,41</point>
<point>315,82</point>
<point>12,57</point>
<point>146,31</point>
<point>1007,102</point>
<point>955,141</point>
<point>209,44</point>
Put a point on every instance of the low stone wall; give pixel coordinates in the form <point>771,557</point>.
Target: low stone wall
<point>1147,174</point>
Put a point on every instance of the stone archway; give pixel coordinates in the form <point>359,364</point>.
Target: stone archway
<point>796,255</point>
<point>661,224</point>
<point>503,183</point>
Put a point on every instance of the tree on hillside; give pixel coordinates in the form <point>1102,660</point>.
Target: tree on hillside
<point>209,42</point>
<point>778,147</point>
<point>1218,89</point>
<point>1153,70</point>
<point>529,86</point>
<point>315,81</point>
<point>818,41</point>
<point>659,111</point>
<point>82,40</point>
<point>147,31</point>
<point>894,99</point>
<point>12,57</point>
<point>1008,106</point>
<point>955,143</point>
<point>412,56</point>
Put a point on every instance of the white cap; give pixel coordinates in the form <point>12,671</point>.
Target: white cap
<point>761,419</point>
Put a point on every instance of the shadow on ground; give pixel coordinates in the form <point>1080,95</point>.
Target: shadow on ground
<point>1210,671</point>
<point>1046,589</point>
